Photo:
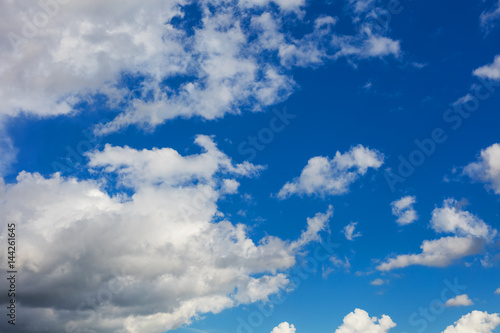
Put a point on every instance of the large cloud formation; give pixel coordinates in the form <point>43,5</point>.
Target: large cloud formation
<point>204,58</point>
<point>142,247</point>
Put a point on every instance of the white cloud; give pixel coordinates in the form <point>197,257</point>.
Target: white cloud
<point>339,263</point>
<point>471,232</point>
<point>284,328</point>
<point>78,51</point>
<point>497,292</point>
<point>441,252</point>
<point>323,176</point>
<point>366,47</point>
<point>371,41</point>
<point>404,211</point>
<point>314,225</point>
<point>161,232</point>
<point>349,231</point>
<point>491,71</point>
<point>452,219</point>
<point>464,99</point>
<point>230,186</point>
<point>460,300</point>
<point>7,151</point>
<point>360,322</point>
<point>487,167</point>
<point>476,321</point>
<point>488,17</point>
<point>378,282</point>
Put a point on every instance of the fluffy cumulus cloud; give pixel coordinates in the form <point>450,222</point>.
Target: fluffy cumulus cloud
<point>460,300</point>
<point>404,211</point>
<point>487,167</point>
<point>323,176</point>
<point>452,219</point>
<point>476,321</point>
<point>149,255</point>
<point>470,234</point>
<point>284,328</point>
<point>360,322</point>
<point>491,71</point>
<point>203,59</point>
<point>357,321</point>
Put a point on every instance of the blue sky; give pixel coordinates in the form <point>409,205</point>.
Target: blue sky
<point>177,165</point>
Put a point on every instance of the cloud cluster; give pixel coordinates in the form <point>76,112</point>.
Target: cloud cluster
<point>157,233</point>
<point>203,59</point>
<point>404,211</point>
<point>324,176</point>
<point>487,167</point>
<point>359,321</point>
<point>476,321</point>
<point>470,236</point>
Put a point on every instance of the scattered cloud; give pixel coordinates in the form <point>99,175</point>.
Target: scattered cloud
<point>497,292</point>
<point>476,321</point>
<point>452,219</point>
<point>487,167</point>
<point>462,100</point>
<point>471,236</point>
<point>7,150</point>
<point>488,18</point>
<point>360,322</point>
<point>491,71</point>
<point>341,264</point>
<point>314,225</point>
<point>378,282</point>
<point>436,253</point>
<point>349,231</point>
<point>324,176</point>
<point>284,328</point>
<point>404,211</point>
<point>460,300</point>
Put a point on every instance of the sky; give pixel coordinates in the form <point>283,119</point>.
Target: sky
<point>275,166</point>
